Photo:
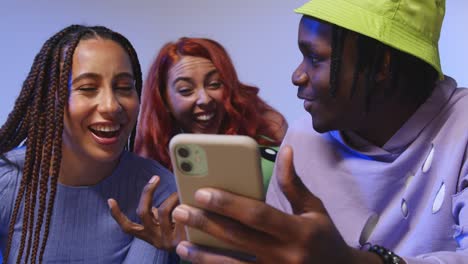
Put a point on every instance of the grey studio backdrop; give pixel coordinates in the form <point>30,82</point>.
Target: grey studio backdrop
<point>260,36</point>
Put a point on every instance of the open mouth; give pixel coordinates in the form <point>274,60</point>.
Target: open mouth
<point>105,131</point>
<point>206,117</point>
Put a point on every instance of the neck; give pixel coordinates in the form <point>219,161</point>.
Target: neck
<point>76,170</point>
<point>384,120</point>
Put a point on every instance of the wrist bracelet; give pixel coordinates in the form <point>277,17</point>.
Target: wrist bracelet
<point>387,256</point>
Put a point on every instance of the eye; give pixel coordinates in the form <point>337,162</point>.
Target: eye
<point>185,91</point>
<point>311,56</point>
<point>125,88</point>
<point>87,89</point>
<point>215,85</point>
<point>313,59</point>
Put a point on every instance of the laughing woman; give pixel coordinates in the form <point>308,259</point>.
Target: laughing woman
<point>76,115</point>
<point>192,87</point>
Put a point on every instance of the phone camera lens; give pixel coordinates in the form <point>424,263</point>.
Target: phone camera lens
<point>186,166</point>
<point>183,152</point>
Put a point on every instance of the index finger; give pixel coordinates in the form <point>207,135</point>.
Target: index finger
<point>165,214</point>
<point>145,205</point>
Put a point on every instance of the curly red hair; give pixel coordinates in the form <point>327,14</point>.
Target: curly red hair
<point>246,113</point>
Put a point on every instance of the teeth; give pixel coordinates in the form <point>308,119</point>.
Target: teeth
<point>106,128</point>
<point>205,117</point>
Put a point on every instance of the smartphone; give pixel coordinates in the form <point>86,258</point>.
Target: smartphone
<point>227,162</point>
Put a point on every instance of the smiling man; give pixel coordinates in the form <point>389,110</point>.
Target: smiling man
<point>380,168</point>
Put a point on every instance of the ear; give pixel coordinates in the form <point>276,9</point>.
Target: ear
<point>385,70</point>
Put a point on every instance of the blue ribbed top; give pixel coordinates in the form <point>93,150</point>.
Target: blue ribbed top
<point>82,229</point>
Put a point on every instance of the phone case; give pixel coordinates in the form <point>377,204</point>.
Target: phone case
<point>227,162</point>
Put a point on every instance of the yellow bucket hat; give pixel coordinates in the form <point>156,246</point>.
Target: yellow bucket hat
<point>412,26</point>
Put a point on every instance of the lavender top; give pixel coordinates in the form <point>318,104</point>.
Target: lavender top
<point>410,195</point>
<point>82,229</point>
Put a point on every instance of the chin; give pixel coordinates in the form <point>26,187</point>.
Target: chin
<point>321,127</point>
<point>207,130</point>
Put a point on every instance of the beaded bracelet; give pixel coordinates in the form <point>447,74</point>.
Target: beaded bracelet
<point>387,256</point>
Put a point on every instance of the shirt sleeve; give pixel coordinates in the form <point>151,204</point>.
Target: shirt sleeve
<point>9,183</point>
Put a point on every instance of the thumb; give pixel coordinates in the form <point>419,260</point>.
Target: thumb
<point>300,198</point>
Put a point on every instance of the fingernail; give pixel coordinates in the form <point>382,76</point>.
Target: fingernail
<point>182,251</point>
<point>203,196</point>
<point>109,201</point>
<point>180,214</point>
<point>152,179</point>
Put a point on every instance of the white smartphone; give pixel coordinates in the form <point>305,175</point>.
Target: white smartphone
<point>227,162</point>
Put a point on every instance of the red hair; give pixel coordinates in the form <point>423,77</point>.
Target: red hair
<point>246,113</point>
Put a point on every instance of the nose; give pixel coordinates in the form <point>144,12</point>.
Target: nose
<point>204,98</point>
<point>109,103</point>
<point>299,76</point>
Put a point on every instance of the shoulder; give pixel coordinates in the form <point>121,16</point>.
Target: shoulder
<point>457,111</point>
<point>11,165</point>
<point>451,119</point>
<point>458,96</point>
<point>459,100</point>
<point>10,177</point>
<point>14,157</point>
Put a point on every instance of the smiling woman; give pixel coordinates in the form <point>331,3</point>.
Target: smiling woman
<point>102,110</point>
<point>192,87</point>
<point>77,114</point>
<point>194,95</point>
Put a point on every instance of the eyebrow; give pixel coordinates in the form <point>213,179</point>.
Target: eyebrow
<point>307,46</point>
<point>211,73</point>
<point>189,80</point>
<point>85,76</point>
<point>124,75</point>
<point>186,79</point>
<point>91,75</point>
